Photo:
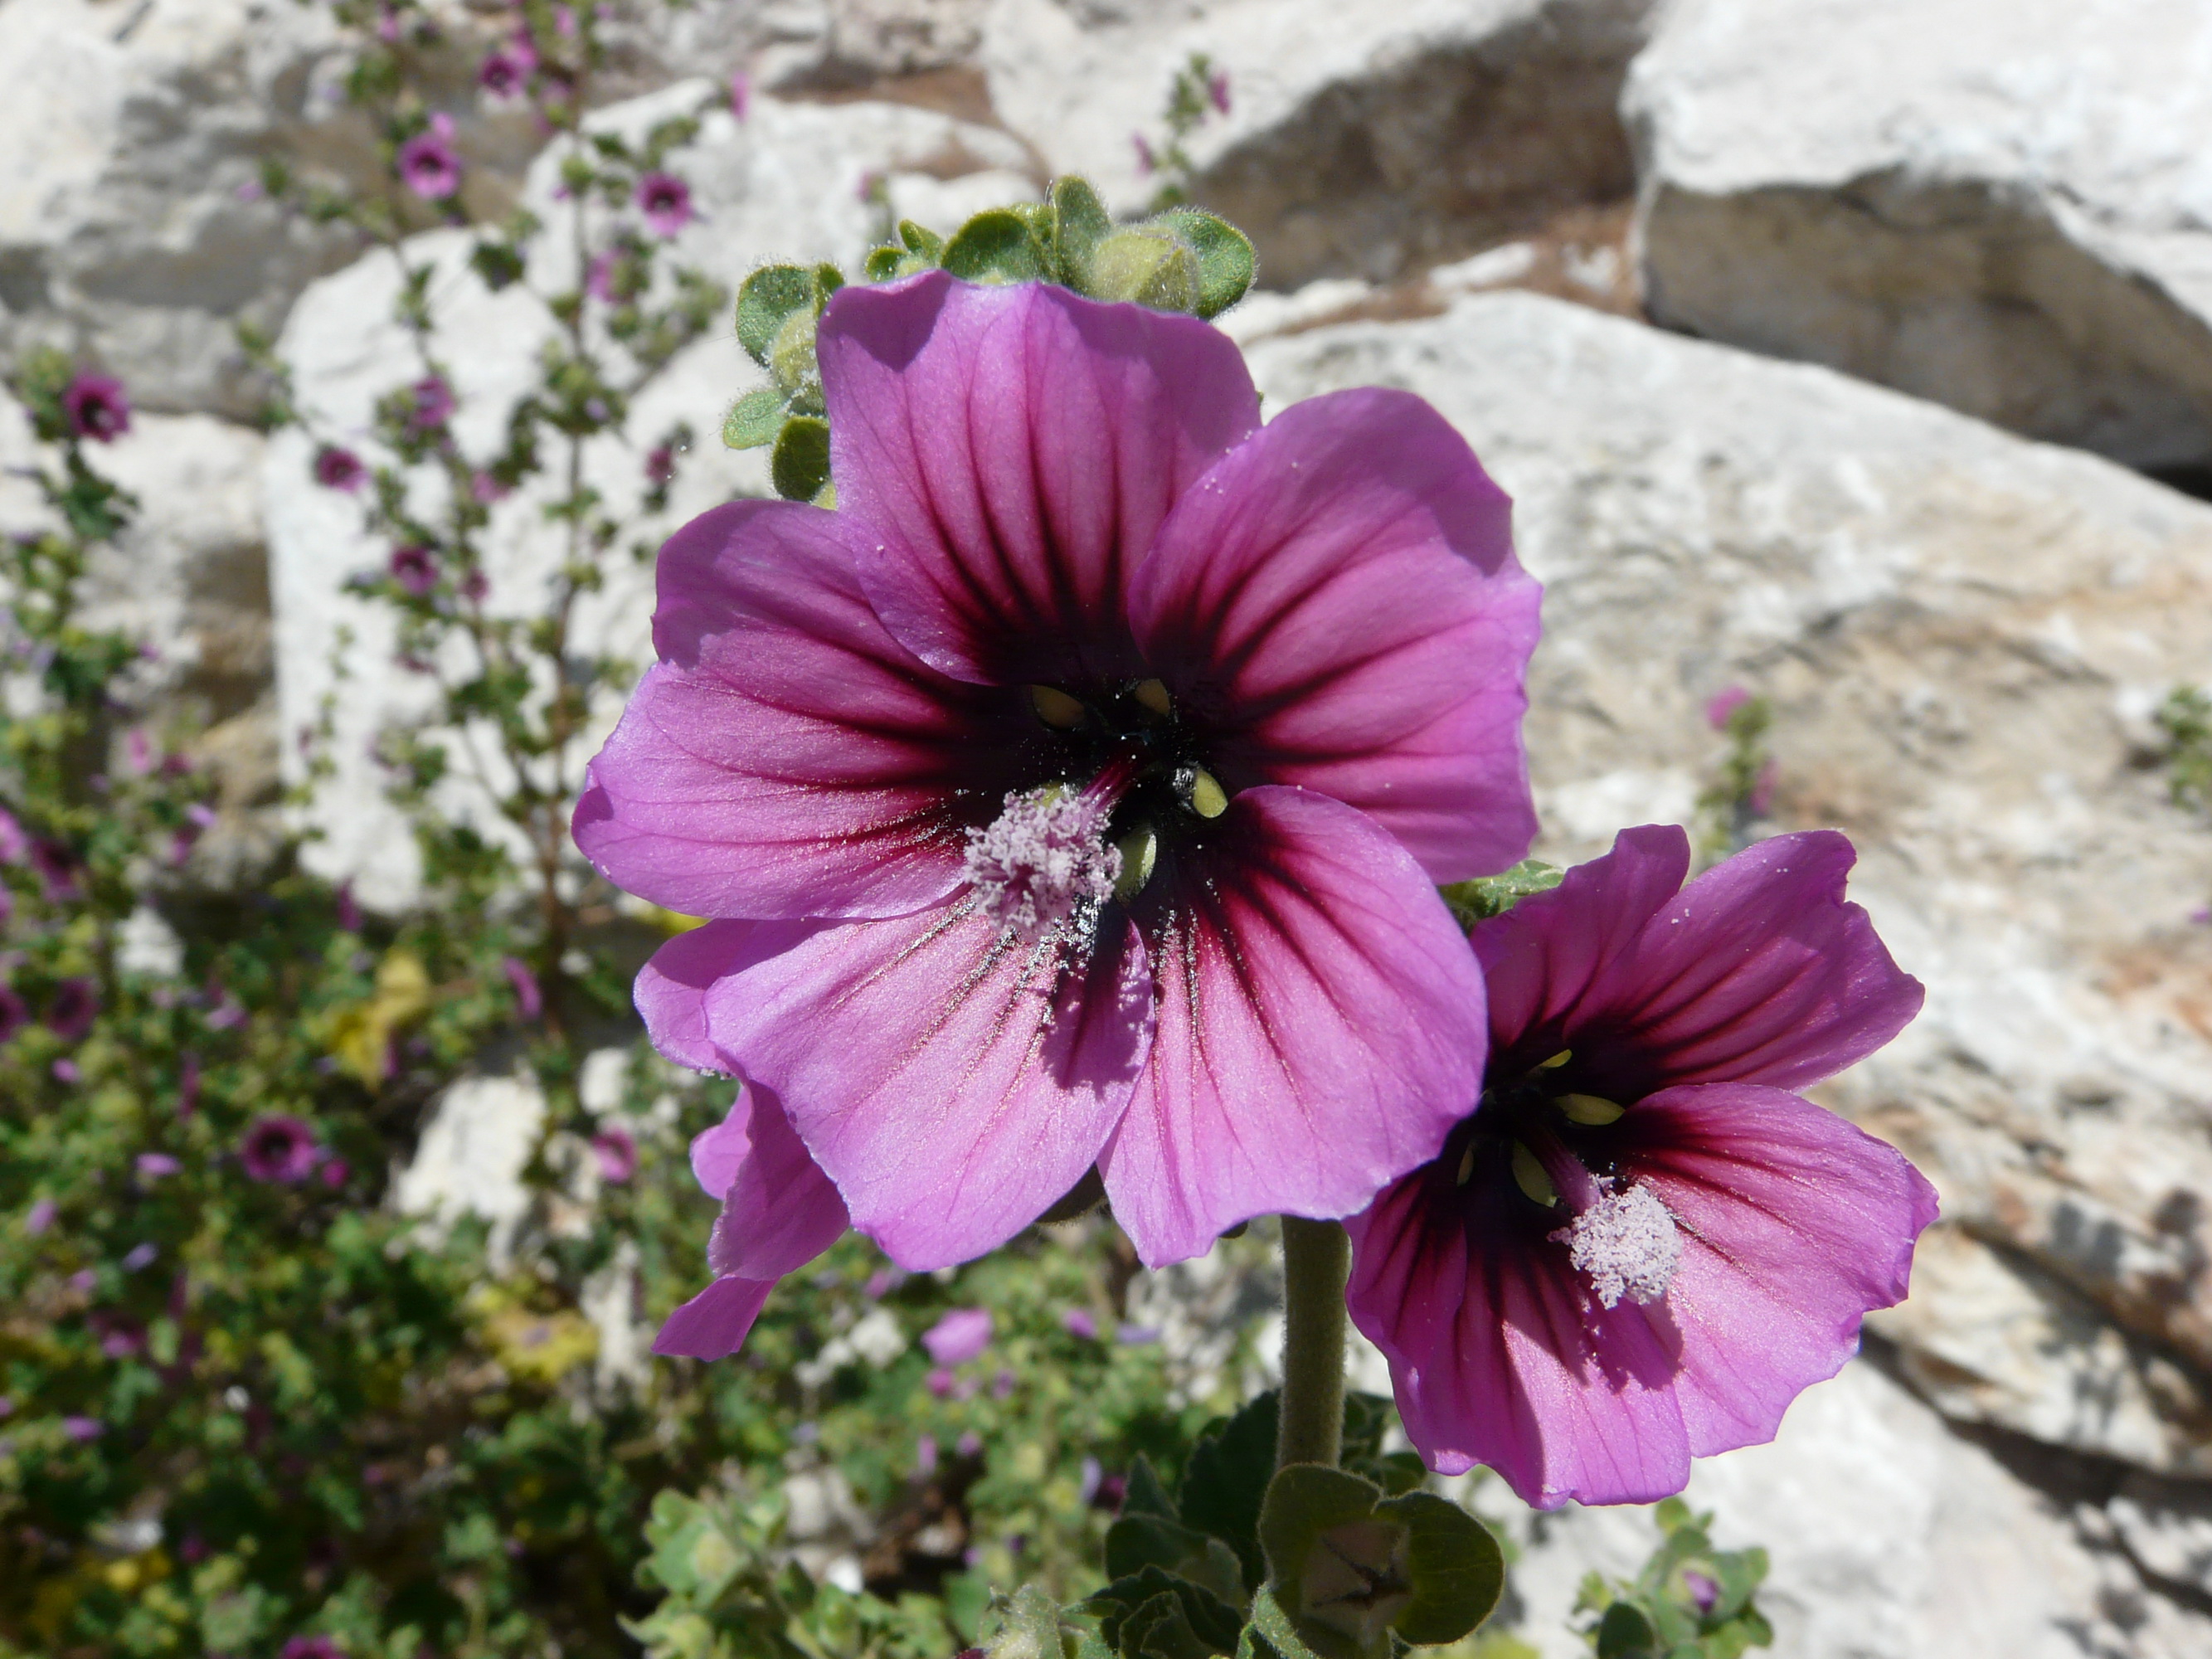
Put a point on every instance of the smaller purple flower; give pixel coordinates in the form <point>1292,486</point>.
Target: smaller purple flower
<point>741,95</point>
<point>13,843</point>
<point>430,166</point>
<point>39,1217</point>
<point>85,1280</point>
<point>434,403</point>
<point>312,1647</point>
<point>140,748</point>
<point>660,464</point>
<point>1079,1323</point>
<point>881,1283</point>
<point>529,1002</point>
<point>338,468</point>
<point>57,868</point>
<point>505,72</point>
<point>1762,791</point>
<point>416,569</point>
<point>938,1381</point>
<point>969,1444</point>
<point>600,279</point>
<point>2202,915</point>
<point>1217,90</point>
<point>14,1015</point>
<point>1147,163</point>
<point>617,1154</point>
<point>68,1070</point>
<point>665,201</point>
<point>139,1255</point>
<point>335,1173</point>
<point>1137,1336</point>
<point>1705,1592</point>
<point>1721,709</point>
<point>153,1165</point>
<point>1002,1384</point>
<point>925,1456</point>
<point>188,1085</point>
<point>74,1007</point>
<point>349,908</point>
<point>80,1429</point>
<point>96,408</point>
<point>250,189</point>
<point>278,1147</point>
<point>959,1336</point>
<point>484,488</point>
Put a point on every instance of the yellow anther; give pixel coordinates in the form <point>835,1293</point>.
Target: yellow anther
<point>1528,1175</point>
<point>1588,1109</point>
<point>1140,851</point>
<point>1154,695</point>
<point>1465,1166</point>
<point>1557,1061</point>
<point>1207,799</point>
<point>1055,708</point>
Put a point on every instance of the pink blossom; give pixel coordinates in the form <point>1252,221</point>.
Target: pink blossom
<point>140,748</point>
<point>430,166</point>
<point>40,1217</point>
<point>939,1380</point>
<point>1643,1244</point>
<point>416,569</point>
<point>97,408</point>
<point>665,201</point>
<point>66,1070</point>
<point>335,1173</point>
<point>1217,90</point>
<point>75,1005</point>
<point>529,1002</point>
<point>474,586</point>
<point>137,1256</point>
<point>1721,709</point>
<point>279,1147</point>
<point>188,1085</point>
<point>1077,1322</point>
<point>82,1428</point>
<point>15,1013</point>
<point>505,72</point>
<point>741,95</point>
<point>959,1336</point>
<point>1147,163</point>
<point>432,404</point>
<point>616,1150</point>
<point>13,843</point>
<point>925,1456</point>
<point>485,487</point>
<point>922,916</point>
<point>600,276</point>
<point>312,1647</point>
<point>250,189</point>
<point>154,1165</point>
<point>58,869</point>
<point>339,469</point>
<point>660,464</point>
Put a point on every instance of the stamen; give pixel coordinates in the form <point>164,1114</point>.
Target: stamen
<point>1055,708</point>
<point>1465,1166</point>
<point>1153,694</point>
<point>1208,797</point>
<point>1040,866</point>
<point>1528,1175</point>
<point>1556,1061</point>
<point>1590,1109</point>
<point>1627,1243</point>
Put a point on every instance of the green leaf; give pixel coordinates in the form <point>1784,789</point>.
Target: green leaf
<point>1144,266</point>
<point>1624,1633</point>
<point>1271,1635</point>
<point>754,419</point>
<point>1367,1419</point>
<point>1145,1495</point>
<point>800,465</point>
<point>998,247</point>
<point>1226,1481</point>
<point>1137,1541</point>
<point>1152,1612</point>
<point>1457,1571</point>
<point>921,241</point>
<point>1226,263</point>
<point>1026,1625</point>
<point>766,301</point>
<point>1494,896</point>
<point>1080,223</point>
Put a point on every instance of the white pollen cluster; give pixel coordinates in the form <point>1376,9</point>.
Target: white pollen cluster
<point>1040,864</point>
<point>1627,1243</point>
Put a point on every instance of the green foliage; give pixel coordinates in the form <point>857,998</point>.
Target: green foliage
<point>1731,805</point>
<point>2185,721</point>
<point>1494,896</point>
<point>1689,1602</point>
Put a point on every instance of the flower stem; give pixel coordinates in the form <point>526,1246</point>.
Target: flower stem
<point>1316,1260</point>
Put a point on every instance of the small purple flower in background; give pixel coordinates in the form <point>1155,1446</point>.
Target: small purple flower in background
<point>959,1336</point>
<point>1721,709</point>
<point>428,164</point>
<point>139,1255</point>
<point>68,1070</point>
<point>188,1085</point>
<point>939,1380</point>
<point>617,1149</point>
<point>85,1280</point>
<point>505,72</point>
<point>250,189</point>
<point>82,1428</point>
<point>140,748</point>
<point>881,1283</point>
<point>75,1005</point>
<point>335,1173</point>
<point>278,1147</point>
<point>15,1015</point>
<point>529,1000</point>
<point>1762,790</point>
<point>925,1456</point>
<point>432,401</point>
<point>56,868</point>
<point>416,569</point>
<point>475,587</point>
<point>741,95</point>
<point>660,464</point>
<point>1137,1336</point>
<point>600,276</point>
<point>485,488</point>
<point>1147,163</point>
<point>970,1444</point>
<point>869,187</point>
<point>312,1647</point>
<point>1079,1323</point>
<point>1644,1244</point>
<point>1704,1591</point>
<point>564,22</point>
<point>154,1165</point>
<point>1002,1385</point>
<point>1217,90</point>
<point>2202,915</point>
<point>39,1217</point>
<point>97,408</point>
<point>227,1012</point>
<point>13,843</point>
<point>1031,617</point>
<point>349,908</point>
<point>339,469</point>
<point>665,201</point>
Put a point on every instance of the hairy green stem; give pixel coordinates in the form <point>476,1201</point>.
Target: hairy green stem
<point>1316,1260</point>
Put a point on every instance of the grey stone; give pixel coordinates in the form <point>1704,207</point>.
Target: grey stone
<point>2003,207</point>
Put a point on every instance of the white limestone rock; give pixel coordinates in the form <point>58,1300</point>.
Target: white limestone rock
<point>1958,631</point>
<point>1361,141</point>
<point>2006,207</point>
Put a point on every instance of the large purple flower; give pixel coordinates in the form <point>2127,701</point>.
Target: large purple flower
<point>1074,793</point>
<point>1643,1244</point>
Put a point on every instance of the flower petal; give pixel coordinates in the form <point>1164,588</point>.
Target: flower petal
<point>1320,1029</point>
<point>779,1209</point>
<point>1795,1224</point>
<point>951,1082</point>
<point>787,756</point>
<point>672,989</point>
<point>1015,449</point>
<point>1339,600</point>
<point>715,1323</point>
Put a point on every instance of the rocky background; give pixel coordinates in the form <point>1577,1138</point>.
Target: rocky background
<point>1857,352</point>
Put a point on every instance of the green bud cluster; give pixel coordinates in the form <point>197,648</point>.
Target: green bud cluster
<point>1184,261</point>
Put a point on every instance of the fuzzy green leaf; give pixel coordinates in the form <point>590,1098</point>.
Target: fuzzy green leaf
<point>998,247</point>
<point>1494,896</point>
<point>800,465</point>
<point>754,419</point>
<point>766,300</point>
<point>1226,262</point>
<point>1080,223</point>
<point>1225,1480</point>
<point>1455,1566</point>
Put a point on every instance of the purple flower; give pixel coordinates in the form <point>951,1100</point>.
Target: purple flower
<point>741,95</point>
<point>617,1150</point>
<point>529,1000</point>
<point>660,464</point>
<point>139,1255</point>
<point>959,1336</point>
<point>1721,709</point>
<point>1705,1591</point>
<point>14,1014</point>
<point>486,489</point>
<point>339,469</point>
<point>278,1147</point>
<point>154,1165</point>
<point>925,1456</point>
<point>1644,1243</point>
<point>1003,1384</point>
<point>432,401</point>
<point>1147,163</point>
<point>475,587</point>
<point>188,1085</point>
<point>56,868</point>
<point>1217,90</point>
<point>779,1213</point>
<point>349,908</point>
<point>335,1173</point>
<point>96,408</point>
<point>505,72</point>
<point>600,276</point>
<point>1075,792</point>
<point>939,1381</point>
<point>1137,1336</point>
<point>312,1647</point>
<point>13,843</point>
<point>140,748</point>
<point>969,1444</point>
<point>74,1007</point>
<point>416,569</point>
<point>39,1217</point>
<point>66,1070</point>
<point>430,166</point>
<point>1079,1323</point>
<point>81,1428</point>
<point>665,201</point>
